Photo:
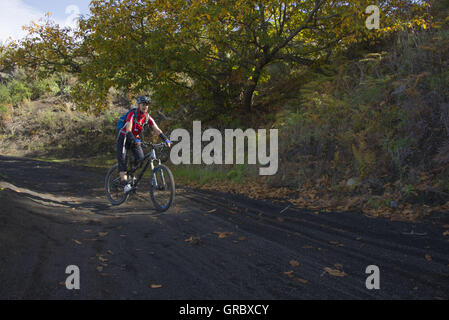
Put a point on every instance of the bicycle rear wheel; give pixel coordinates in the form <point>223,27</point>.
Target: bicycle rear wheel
<point>114,191</point>
<point>162,188</point>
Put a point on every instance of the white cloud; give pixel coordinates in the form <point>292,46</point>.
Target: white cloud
<point>14,14</point>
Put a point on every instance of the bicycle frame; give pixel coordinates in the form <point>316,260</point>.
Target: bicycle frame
<point>150,157</point>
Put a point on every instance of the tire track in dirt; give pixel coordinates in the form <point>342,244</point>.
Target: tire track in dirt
<point>208,246</point>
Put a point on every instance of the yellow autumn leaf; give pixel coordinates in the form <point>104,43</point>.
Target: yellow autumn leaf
<point>304,281</point>
<point>222,235</point>
<point>294,263</point>
<point>335,272</point>
<point>289,273</point>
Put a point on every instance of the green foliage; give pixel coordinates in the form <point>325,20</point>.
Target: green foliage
<point>214,55</point>
<point>110,118</point>
<point>199,175</point>
<point>3,113</point>
<point>42,87</point>
<point>19,92</point>
<point>408,190</point>
<point>207,175</point>
<point>5,97</point>
<point>236,174</point>
<point>48,120</point>
<point>372,117</point>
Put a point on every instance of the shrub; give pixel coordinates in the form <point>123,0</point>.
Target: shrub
<point>18,92</point>
<point>42,87</point>
<point>5,97</point>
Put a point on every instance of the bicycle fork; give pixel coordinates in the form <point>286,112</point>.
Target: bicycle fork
<point>153,176</point>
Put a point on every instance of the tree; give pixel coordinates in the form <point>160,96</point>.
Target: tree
<point>208,53</point>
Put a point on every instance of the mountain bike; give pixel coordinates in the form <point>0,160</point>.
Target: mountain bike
<point>161,185</point>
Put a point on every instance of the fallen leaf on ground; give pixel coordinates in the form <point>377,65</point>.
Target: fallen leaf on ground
<point>304,281</point>
<point>193,240</point>
<point>336,243</point>
<point>289,273</point>
<point>77,242</point>
<point>103,234</point>
<point>102,259</point>
<point>211,211</point>
<point>294,263</point>
<point>222,235</point>
<point>428,257</point>
<point>156,286</point>
<point>334,272</point>
<point>241,239</point>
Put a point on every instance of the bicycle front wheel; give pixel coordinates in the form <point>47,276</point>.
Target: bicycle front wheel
<point>162,188</point>
<point>114,191</point>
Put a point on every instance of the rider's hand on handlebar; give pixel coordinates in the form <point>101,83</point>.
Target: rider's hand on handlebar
<point>168,143</point>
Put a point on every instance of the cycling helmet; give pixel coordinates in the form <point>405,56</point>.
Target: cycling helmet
<point>143,100</point>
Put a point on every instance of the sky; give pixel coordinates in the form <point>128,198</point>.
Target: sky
<point>16,13</point>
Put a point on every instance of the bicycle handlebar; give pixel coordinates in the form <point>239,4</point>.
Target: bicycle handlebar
<point>153,145</point>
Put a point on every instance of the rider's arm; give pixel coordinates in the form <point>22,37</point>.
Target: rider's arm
<point>156,129</point>
<point>129,126</point>
<point>159,132</point>
<point>129,134</point>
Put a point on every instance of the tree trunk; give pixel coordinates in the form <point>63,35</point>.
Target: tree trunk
<point>248,92</point>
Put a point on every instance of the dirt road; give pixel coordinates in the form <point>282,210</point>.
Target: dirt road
<point>208,246</point>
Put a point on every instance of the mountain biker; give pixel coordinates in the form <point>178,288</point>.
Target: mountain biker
<point>129,135</point>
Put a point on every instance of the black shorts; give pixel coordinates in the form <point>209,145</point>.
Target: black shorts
<point>122,152</point>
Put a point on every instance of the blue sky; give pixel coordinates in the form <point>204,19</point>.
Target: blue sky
<point>57,7</point>
<point>16,13</point>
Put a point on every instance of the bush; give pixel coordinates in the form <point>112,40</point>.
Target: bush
<point>5,97</point>
<point>41,87</point>
<point>4,114</point>
<point>379,118</point>
<point>18,92</point>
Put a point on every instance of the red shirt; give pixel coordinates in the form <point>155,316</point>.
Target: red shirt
<point>138,125</point>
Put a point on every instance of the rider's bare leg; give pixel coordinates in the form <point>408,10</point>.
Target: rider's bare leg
<point>123,176</point>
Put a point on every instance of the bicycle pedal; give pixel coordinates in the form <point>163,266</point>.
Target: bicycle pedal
<point>128,188</point>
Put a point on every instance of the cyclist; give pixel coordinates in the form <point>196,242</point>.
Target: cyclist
<point>129,135</point>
